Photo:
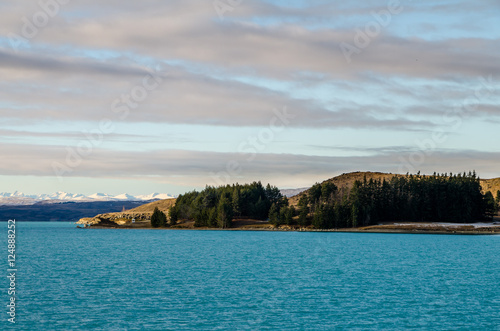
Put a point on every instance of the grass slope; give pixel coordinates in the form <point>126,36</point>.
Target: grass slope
<point>346,181</point>
<point>162,205</point>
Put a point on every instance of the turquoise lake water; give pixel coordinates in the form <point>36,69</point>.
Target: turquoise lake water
<point>70,278</point>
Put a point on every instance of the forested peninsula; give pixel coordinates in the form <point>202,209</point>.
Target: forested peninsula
<point>353,201</point>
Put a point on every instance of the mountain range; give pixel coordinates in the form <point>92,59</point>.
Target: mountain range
<point>19,198</point>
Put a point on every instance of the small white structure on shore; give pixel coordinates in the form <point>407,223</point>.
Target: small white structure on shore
<point>133,220</point>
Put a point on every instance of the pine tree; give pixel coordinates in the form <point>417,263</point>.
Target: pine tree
<point>314,193</point>
<point>224,213</point>
<point>317,220</point>
<point>290,213</point>
<point>155,218</point>
<point>273,194</point>
<point>158,219</point>
<point>490,205</point>
<point>209,197</point>
<point>261,210</point>
<point>303,210</point>
<point>286,215</point>
<point>355,199</point>
<point>200,218</point>
<point>274,215</point>
<point>355,212</point>
<point>329,216</point>
<point>212,217</point>
<point>236,202</point>
<point>328,191</point>
<point>174,215</point>
<point>163,219</point>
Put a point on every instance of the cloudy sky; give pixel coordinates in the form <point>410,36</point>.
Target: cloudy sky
<point>166,96</point>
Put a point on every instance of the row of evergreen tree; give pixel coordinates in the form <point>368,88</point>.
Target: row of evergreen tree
<point>415,198</point>
<point>217,206</point>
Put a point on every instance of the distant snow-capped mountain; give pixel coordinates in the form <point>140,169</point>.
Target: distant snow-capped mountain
<point>19,198</point>
<point>293,191</point>
<point>100,196</point>
<point>125,196</point>
<point>154,196</point>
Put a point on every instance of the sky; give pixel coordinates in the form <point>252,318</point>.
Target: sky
<point>170,96</point>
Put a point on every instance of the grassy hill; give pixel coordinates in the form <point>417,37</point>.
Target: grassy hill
<point>345,181</point>
<point>492,185</point>
<point>162,205</point>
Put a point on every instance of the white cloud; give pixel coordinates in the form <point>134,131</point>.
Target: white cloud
<point>93,53</point>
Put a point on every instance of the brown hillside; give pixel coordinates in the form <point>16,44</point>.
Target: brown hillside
<point>347,180</point>
<point>492,185</point>
<point>162,205</point>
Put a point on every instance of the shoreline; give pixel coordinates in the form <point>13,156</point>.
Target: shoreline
<point>117,221</point>
<point>384,231</point>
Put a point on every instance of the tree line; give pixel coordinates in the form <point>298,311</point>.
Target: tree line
<point>415,198</point>
<point>411,198</point>
<point>217,206</point>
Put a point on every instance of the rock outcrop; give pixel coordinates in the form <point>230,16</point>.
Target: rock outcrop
<point>117,218</point>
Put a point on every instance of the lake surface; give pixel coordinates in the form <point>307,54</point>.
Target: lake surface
<point>71,278</point>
